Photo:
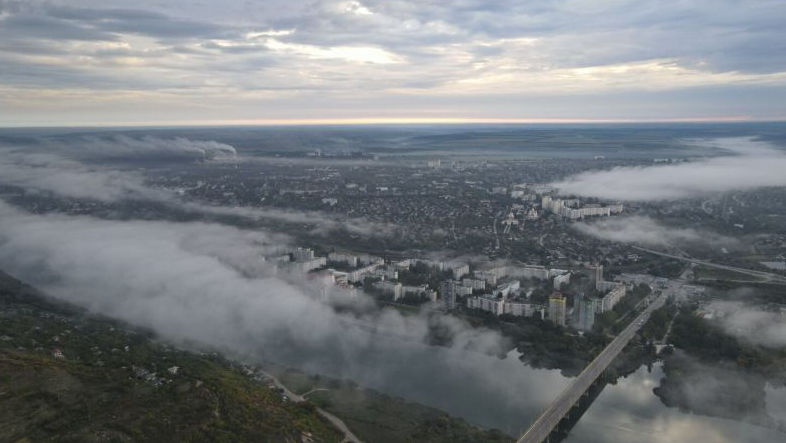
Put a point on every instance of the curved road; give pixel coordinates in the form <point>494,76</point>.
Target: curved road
<point>337,422</point>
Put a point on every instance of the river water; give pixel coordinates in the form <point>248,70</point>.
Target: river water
<point>507,395</point>
<point>630,412</point>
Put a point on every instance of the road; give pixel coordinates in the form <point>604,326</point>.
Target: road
<point>337,422</point>
<point>549,419</point>
<point>760,274</point>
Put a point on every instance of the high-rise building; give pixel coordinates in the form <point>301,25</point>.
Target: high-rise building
<point>303,254</point>
<point>609,300</point>
<point>597,276</point>
<point>447,291</point>
<point>557,308</point>
<point>584,309</point>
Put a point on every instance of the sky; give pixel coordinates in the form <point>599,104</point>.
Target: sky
<point>111,62</point>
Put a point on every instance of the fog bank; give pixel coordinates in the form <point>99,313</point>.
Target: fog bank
<point>205,284</point>
<point>754,164</point>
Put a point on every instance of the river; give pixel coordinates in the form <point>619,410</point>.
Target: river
<point>630,412</point>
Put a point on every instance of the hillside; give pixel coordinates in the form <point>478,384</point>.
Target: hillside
<point>116,384</point>
<point>68,375</point>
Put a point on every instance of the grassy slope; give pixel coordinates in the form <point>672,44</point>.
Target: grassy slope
<point>95,394</point>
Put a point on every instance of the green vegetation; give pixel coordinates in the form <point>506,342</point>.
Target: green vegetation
<point>714,373</point>
<point>113,384</point>
<point>543,344</point>
<point>658,323</point>
<point>376,417</point>
<point>703,273</point>
<point>720,391</point>
<point>709,342</point>
<point>654,265</point>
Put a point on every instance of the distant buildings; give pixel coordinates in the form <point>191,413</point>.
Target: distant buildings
<point>505,289</point>
<point>502,284</point>
<point>359,274</point>
<point>615,290</point>
<point>535,271</point>
<point>309,265</point>
<point>387,287</point>
<point>303,254</point>
<point>349,259</point>
<point>489,303</point>
<point>386,272</point>
<point>475,284</point>
<point>557,308</point>
<point>571,210</point>
<point>499,305</point>
<point>458,269</point>
<point>561,280</point>
<point>492,274</point>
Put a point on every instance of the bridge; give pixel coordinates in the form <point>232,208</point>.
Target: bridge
<point>545,424</point>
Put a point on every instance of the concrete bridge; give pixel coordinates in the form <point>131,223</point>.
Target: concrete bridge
<point>547,422</point>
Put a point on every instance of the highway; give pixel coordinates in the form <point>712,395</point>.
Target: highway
<point>769,276</point>
<point>549,419</point>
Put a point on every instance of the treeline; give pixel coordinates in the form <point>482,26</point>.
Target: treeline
<point>709,342</point>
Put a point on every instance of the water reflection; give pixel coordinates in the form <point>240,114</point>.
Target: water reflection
<point>484,390</point>
<point>630,412</point>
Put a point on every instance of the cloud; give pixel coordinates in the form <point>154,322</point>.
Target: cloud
<point>206,285</point>
<point>54,174</point>
<point>647,231</point>
<point>82,167</point>
<point>58,165</point>
<point>756,165</point>
<point>751,323</point>
<point>342,55</point>
<point>145,148</point>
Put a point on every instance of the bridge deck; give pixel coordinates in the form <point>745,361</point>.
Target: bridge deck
<point>548,420</point>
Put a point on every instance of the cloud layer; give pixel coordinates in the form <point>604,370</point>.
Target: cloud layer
<point>207,285</point>
<point>396,59</point>
<point>647,231</point>
<point>755,165</point>
<point>751,323</point>
<point>81,168</point>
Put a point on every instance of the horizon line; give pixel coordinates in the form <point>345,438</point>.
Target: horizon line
<point>370,121</point>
